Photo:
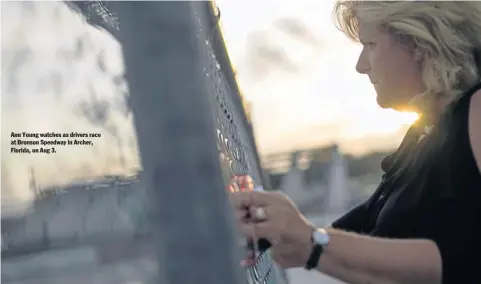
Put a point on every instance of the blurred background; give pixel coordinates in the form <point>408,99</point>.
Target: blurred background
<point>319,132</point>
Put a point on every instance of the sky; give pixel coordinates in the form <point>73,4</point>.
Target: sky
<point>292,64</point>
<point>307,91</point>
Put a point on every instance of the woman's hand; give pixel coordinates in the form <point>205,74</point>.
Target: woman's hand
<point>273,216</point>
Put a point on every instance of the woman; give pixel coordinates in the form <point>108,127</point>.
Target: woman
<point>423,223</point>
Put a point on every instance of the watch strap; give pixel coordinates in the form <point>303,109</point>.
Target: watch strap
<point>313,260</point>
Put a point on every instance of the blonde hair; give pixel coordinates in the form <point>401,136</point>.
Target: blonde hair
<point>447,36</point>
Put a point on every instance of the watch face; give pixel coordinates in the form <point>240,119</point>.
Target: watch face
<point>321,237</point>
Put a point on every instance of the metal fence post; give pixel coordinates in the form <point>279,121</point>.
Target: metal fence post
<point>177,143</point>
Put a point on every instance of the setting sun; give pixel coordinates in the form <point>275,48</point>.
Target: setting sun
<point>384,122</point>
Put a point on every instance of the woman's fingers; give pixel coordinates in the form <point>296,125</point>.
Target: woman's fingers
<point>240,200</point>
<point>242,215</point>
<point>262,199</point>
<point>256,231</point>
<point>250,258</point>
<point>247,230</point>
<point>247,199</point>
<point>268,231</point>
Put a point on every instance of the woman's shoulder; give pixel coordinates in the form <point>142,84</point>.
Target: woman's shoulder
<point>458,160</point>
<point>467,126</point>
<point>474,127</point>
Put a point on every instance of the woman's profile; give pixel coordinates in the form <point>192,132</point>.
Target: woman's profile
<point>423,223</point>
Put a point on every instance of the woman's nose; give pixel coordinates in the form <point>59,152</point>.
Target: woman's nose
<point>362,65</point>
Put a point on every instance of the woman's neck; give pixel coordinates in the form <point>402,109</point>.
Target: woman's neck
<point>432,114</point>
<point>430,109</point>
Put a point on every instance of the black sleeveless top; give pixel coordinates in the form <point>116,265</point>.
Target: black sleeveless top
<point>431,189</point>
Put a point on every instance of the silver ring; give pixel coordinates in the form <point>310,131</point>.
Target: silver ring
<point>260,214</point>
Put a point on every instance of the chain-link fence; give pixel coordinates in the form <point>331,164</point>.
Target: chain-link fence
<point>171,225</point>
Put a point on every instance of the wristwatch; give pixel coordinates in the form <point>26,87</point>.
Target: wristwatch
<point>320,239</point>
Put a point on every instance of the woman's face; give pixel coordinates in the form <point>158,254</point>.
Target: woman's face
<point>391,67</point>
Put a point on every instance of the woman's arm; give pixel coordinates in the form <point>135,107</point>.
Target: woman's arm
<point>361,259</point>
<point>358,259</point>
<point>474,125</point>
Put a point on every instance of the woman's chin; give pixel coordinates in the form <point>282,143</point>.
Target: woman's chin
<point>391,103</point>
<point>384,102</point>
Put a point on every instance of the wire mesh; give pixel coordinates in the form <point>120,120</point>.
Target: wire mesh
<point>238,156</point>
